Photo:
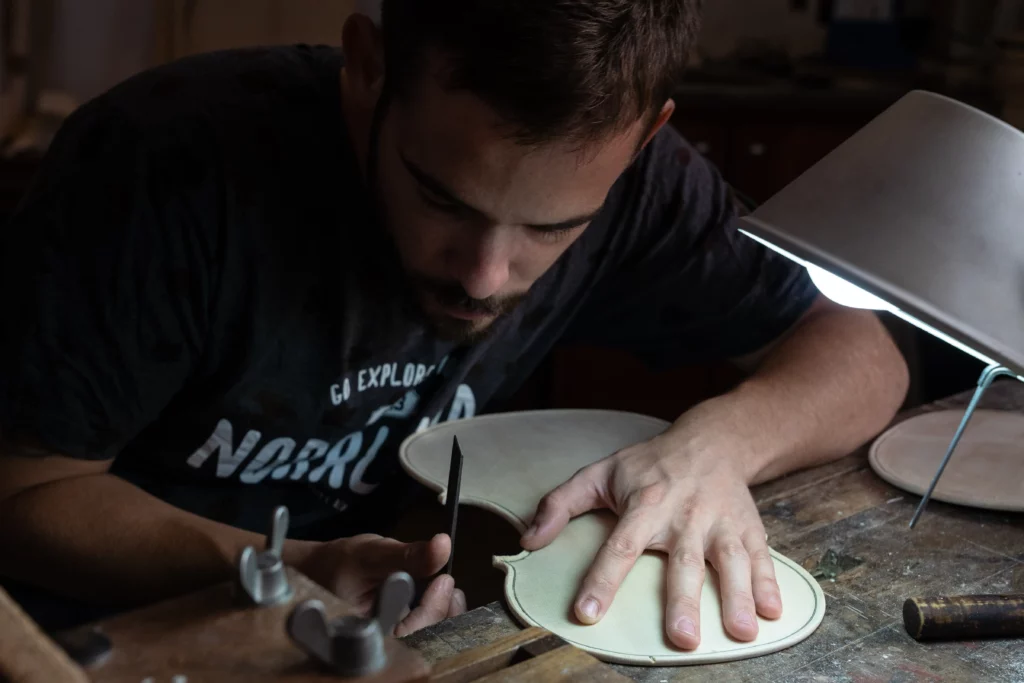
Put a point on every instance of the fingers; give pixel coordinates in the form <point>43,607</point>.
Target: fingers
<point>458,603</point>
<point>613,562</point>
<point>424,558</point>
<point>434,607</point>
<point>767,597</point>
<point>729,556</point>
<point>684,585</point>
<point>577,495</point>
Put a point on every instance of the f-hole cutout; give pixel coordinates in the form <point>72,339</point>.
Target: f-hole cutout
<point>479,536</point>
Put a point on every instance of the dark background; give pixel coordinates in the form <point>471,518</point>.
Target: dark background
<point>775,85</point>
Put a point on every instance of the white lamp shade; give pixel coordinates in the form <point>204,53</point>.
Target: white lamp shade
<point>923,208</point>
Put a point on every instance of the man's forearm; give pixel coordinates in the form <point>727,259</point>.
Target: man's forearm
<point>101,539</point>
<point>827,388</point>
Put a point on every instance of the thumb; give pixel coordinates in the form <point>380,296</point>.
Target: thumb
<point>426,558</point>
<point>419,559</point>
<point>577,495</point>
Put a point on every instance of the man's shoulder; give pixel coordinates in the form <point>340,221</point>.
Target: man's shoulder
<point>197,82</point>
<point>218,97</point>
<point>194,149</point>
<point>671,165</point>
<point>242,117</point>
<point>670,193</point>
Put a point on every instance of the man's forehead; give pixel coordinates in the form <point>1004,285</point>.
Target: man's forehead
<point>457,139</point>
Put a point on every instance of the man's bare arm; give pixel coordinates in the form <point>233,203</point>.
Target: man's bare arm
<point>71,527</point>
<point>818,393</point>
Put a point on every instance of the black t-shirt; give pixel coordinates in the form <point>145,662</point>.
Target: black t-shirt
<point>196,286</point>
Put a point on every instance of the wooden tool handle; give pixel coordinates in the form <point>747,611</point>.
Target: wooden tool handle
<point>27,655</point>
<point>964,617</point>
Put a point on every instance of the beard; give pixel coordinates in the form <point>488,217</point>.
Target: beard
<point>453,297</point>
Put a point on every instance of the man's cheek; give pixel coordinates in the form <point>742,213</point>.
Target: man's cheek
<point>417,231</point>
<point>537,260</point>
<point>422,242</point>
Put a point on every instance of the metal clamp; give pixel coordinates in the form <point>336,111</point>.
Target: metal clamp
<point>352,645</point>
<point>261,575</point>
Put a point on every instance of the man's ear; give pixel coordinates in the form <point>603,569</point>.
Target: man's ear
<point>664,115</point>
<point>363,47</point>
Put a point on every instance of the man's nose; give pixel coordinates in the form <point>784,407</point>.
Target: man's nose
<point>484,263</point>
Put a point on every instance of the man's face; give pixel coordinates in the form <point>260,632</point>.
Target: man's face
<point>476,217</point>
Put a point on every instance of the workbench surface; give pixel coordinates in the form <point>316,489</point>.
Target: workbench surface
<point>845,518</point>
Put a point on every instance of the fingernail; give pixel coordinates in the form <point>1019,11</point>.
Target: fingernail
<point>744,619</point>
<point>589,608</point>
<point>447,583</point>
<point>531,531</point>
<point>686,626</point>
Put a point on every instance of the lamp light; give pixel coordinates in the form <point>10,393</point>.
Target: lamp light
<point>918,214</point>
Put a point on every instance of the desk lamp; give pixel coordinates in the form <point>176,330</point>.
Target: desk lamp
<point>921,214</point>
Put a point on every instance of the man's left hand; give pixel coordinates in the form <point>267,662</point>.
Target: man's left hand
<point>690,502</point>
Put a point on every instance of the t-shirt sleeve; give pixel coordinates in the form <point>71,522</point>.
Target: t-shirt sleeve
<point>102,287</point>
<point>681,284</point>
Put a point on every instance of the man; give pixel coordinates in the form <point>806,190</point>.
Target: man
<point>241,281</point>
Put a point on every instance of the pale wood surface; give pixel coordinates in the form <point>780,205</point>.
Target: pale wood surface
<point>986,470</point>
<point>512,460</point>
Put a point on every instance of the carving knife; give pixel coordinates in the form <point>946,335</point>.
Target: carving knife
<point>452,497</point>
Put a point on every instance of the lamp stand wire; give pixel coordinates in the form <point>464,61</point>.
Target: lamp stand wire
<point>984,382</point>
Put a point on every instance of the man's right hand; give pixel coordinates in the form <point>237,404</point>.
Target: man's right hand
<point>354,568</point>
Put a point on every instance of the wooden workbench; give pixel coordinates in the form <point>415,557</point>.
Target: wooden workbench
<point>844,514</point>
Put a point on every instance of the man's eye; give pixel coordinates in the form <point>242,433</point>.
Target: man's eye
<point>556,235</point>
<point>432,200</point>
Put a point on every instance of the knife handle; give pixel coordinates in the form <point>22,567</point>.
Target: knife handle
<point>964,617</point>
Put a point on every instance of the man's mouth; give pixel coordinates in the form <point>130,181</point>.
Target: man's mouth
<point>452,301</point>
<point>459,317</point>
<point>462,313</point>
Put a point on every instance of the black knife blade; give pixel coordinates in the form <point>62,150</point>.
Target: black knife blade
<point>452,497</point>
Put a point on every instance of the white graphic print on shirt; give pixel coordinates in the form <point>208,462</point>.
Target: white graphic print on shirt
<point>343,463</point>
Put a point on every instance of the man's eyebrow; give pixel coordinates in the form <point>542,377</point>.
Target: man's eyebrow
<point>438,188</point>
<point>435,186</point>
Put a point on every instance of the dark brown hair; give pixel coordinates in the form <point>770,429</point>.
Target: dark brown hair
<point>553,69</point>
